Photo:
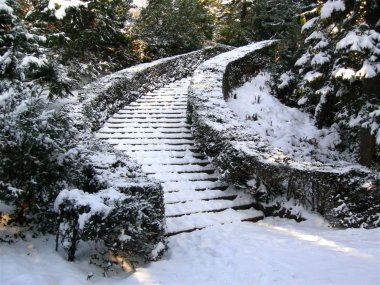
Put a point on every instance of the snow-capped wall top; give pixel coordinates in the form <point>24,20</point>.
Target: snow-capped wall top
<point>220,62</point>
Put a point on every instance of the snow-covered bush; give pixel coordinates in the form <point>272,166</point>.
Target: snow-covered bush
<point>360,206</point>
<point>115,205</point>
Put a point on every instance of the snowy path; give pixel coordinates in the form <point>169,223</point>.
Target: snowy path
<point>154,131</point>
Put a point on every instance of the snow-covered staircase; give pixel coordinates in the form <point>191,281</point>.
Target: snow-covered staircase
<point>154,131</point>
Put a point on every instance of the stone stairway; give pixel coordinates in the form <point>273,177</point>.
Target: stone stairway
<point>154,131</point>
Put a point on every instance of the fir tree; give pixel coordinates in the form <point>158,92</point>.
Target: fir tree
<point>242,22</point>
<point>31,136</point>
<point>173,27</point>
<point>338,67</point>
<point>87,35</point>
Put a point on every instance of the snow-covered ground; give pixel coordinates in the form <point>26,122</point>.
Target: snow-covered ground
<point>273,251</point>
<point>288,130</point>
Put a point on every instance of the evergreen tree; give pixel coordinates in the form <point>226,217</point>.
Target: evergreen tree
<point>87,35</point>
<point>31,137</point>
<point>43,157</point>
<point>336,73</point>
<point>170,27</point>
<point>242,21</point>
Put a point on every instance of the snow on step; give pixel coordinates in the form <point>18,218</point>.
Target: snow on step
<point>176,168</point>
<point>154,131</point>
<point>150,126</point>
<point>202,220</point>
<point>155,147</point>
<point>190,207</point>
<point>143,135</point>
<point>147,119</point>
<point>172,186</point>
<point>166,177</point>
<point>150,112</point>
<point>189,195</point>
<point>166,155</point>
<point>151,116</point>
<point>149,141</point>
<point>173,161</point>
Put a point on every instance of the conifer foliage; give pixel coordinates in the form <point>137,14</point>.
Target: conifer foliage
<point>88,36</point>
<point>241,21</point>
<point>334,77</point>
<point>32,137</point>
<point>57,178</point>
<point>172,27</point>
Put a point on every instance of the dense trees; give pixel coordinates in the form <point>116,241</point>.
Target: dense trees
<point>90,37</point>
<point>172,27</point>
<point>336,69</point>
<point>43,156</point>
<point>32,137</point>
<point>240,22</point>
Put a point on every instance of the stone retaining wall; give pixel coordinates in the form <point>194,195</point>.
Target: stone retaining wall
<point>347,195</point>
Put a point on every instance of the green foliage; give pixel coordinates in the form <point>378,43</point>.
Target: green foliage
<point>360,207</point>
<point>32,138</point>
<point>242,22</point>
<point>173,27</point>
<point>89,38</point>
<point>336,72</point>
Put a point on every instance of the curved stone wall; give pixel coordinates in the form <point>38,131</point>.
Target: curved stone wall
<point>347,195</point>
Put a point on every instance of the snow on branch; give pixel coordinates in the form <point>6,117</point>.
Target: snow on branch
<point>330,6</point>
<point>59,6</point>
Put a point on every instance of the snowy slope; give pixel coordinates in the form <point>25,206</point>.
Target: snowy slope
<point>287,130</point>
<point>272,251</point>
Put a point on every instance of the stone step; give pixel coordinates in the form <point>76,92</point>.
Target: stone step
<point>155,147</point>
<point>145,136</point>
<point>167,155</point>
<point>144,126</point>
<point>119,139</point>
<point>142,112</point>
<point>156,116</point>
<point>167,177</point>
<point>164,96</point>
<point>185,196</point>
<point>147,120</point>
<point>145,132</point>
<point>177,168</point>
<point>160,106</point>
<point>195,185</point>
<point>198,221</point>
<point>174,161</point>
<point>155,104</point>
<point>202,206</point>
<point>151,113</point>
<point>159,99</point>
